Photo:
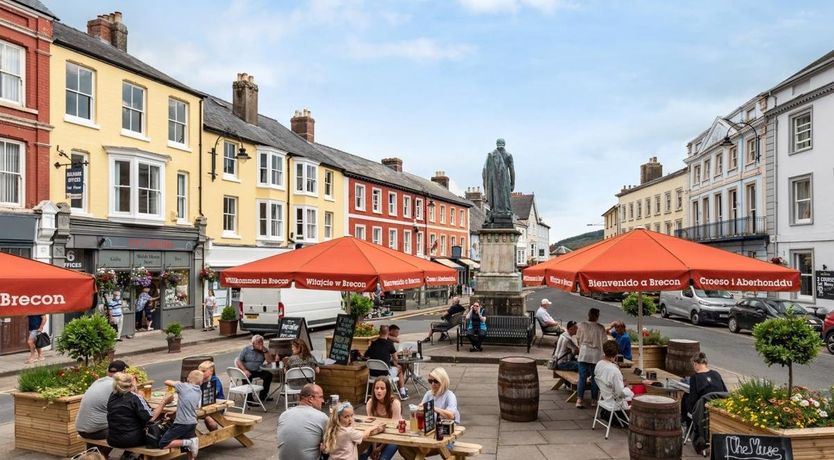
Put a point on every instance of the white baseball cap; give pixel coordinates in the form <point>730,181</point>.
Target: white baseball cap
<point>546,302</point>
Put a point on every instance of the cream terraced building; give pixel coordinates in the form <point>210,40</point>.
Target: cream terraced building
<point>657,204</point>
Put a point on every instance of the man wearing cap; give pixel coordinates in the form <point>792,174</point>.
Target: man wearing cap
<point>545,320</point>
<point>91,421</point>
<point>567,349</point>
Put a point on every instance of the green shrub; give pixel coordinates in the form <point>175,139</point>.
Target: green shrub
<point>174,329</point>
<point>630,304</point>
<point>87,337</point>
<point>228,314</point>
<point>37,378</point>
<point>786,341</point>
<point>654,337</point>
<point>360,306</point>
<point>54,382</point>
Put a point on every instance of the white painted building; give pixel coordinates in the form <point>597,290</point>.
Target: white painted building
<point>534,243</point>
<point>800,169</point>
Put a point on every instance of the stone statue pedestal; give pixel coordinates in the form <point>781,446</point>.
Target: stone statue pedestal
<point>498,285</point>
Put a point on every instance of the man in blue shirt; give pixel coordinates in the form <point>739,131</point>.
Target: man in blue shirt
<point>617,329</point>
<point>114,311</point>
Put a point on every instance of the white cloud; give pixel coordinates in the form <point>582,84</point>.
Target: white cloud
<point>419,49</point>
<point>499,6</point>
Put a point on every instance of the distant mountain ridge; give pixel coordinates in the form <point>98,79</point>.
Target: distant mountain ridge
<point>578,241</point>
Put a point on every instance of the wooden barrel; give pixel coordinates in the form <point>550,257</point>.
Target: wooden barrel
<point>679,356</point>
<point>281,347</point>
<point>654,429</point>
<point>518,389</point>
<point>191,363</point>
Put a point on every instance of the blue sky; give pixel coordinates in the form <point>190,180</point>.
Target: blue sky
<point>582,91</point>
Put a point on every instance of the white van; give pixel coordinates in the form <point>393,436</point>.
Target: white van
<point>261,310</point>
<point>700,306</point>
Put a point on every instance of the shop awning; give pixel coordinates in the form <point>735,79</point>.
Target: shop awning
<point>449,263</point>
<point>469,263</point>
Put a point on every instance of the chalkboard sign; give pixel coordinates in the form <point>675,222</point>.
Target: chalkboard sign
<point>342,339</point>
<point>294,328</point>
<point>431,419</point>
<point>208,392</point>
<point>743,447</point>
<point>825,284</point>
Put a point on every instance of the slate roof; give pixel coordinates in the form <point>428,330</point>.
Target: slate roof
<point>37,6</point>
<point>522,204</point>
<point>477,217</point>
<point>363,168</point>
<point>827,59</point>
<point>95,48</point>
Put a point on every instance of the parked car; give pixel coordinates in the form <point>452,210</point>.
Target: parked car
<point>753,310</point>
<point>700,306</point>
<point>828,332</point>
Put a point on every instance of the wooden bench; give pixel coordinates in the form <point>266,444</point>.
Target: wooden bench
<point>462,450</point>
<point>163,454</point>
<point>569,380</point>
<point>504,330</point>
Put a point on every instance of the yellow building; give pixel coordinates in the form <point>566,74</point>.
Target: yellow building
<point>125,146</point>
<point>657,203</point>
<point>281,194</point>
<point>611,222</point>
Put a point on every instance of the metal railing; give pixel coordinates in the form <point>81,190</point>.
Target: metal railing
<point>726,229</point>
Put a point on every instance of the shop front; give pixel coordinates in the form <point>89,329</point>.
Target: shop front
<point>18,238</point>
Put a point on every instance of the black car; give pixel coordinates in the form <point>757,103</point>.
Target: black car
<point>753,310</point>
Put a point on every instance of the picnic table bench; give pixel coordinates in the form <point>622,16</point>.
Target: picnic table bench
<point>567,379</point>
<point>504,330</point>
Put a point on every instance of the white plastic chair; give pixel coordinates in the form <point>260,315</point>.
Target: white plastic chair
<point>613,404</point>
<point>307,374</point>
<point>377,365</point>
<point>239,384</point>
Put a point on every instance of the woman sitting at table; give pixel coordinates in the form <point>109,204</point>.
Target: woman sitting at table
<point>301,357</point>
<point>341,438</point>
<point>128,413</point>
<point>384,405</point>
<point>445,405</point>
<point>704,381</point>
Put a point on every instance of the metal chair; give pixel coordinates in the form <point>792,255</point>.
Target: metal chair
<point>545,332</point>
<point>378,365</point>
<point>292,377</point>
<point>614,405</point>
<point>239,384</point>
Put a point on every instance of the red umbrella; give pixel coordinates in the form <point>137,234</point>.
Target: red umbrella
<point>343,264</point>
<point>642,260</point>
<point>29,287</point>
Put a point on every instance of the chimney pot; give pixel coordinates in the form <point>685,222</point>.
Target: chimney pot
<point>441,179</point>
<point>245,98</point>
<point>109,28</point>
<point>394,163</point>
<point>303,124</point>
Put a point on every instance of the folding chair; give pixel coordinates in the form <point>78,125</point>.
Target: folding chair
<point>614,405</point>
<point>239,384</point>
<point>378,365</point>
<point>291,378</point>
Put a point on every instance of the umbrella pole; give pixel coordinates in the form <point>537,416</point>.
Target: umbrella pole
<point>640,327</point>
<point>347,302</point>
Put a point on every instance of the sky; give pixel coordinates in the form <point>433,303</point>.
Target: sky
<point>583,92</point>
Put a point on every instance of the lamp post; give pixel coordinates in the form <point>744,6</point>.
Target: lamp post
<point>241,153</point>
<point>727,142</point>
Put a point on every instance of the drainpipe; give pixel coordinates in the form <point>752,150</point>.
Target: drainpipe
<point>289,199</point>
<point>200,170</point>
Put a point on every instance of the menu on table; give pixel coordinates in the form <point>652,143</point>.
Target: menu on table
<point>208,393</point>
<point>342,339</point>
<point>428,410</point>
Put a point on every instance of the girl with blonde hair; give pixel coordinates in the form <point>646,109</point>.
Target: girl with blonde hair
<point>341,438</point>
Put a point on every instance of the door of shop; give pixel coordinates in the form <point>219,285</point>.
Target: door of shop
<point>14,330</point>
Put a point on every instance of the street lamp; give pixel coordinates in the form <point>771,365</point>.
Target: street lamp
<point>727,142</point>
<point>241,153</point>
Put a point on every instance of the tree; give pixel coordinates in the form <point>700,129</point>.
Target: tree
<point>786,341</point>
<point>630,304</point>
<point>87,337</point>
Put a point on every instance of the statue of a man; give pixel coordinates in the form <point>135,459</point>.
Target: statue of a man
<point>499,181</point>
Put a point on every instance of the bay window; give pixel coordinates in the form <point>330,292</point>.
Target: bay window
<point>137,186</point>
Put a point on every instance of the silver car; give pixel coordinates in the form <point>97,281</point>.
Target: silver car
<point>700,306</point>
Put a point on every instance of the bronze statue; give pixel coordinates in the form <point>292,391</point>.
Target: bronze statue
<point>499,182</point>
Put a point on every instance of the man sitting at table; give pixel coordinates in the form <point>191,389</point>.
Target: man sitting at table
<point>91,421</point>
<point>567,349</point>
<point>301,428</point>
<point>385,351</point>
<point>250,360</point>
<point>617,330</point>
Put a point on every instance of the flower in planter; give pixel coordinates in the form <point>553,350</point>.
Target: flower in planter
<point>761,403</point>
<point>365,330</point>
<point>171,278</point>
<point>141,277</point>
<point>778,260</point>
<point>105,280</point>
<point>208,274</point>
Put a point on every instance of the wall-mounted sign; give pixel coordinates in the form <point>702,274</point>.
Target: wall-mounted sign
<point>121,242</point>
<point>75,182</point>
<point>114,259</point>
<point>825,284</point>
<point>177,259</point>
<point>74,259</point>
<point>147,259</point>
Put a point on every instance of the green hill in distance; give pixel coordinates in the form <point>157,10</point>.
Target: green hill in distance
<point>578,241</point>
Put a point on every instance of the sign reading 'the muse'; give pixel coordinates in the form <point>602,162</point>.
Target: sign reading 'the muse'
<point>743,447</point>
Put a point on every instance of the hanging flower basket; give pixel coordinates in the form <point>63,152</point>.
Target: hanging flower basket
<point>105,280</point>
<point>141,277</point>
<point>778,260</point>
<point>208,274</point>
<point>171,278</point>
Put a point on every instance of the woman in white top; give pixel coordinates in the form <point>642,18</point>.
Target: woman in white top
<point>609,378</point>
<point>210,304</point>
<point>445,405</point>
<point>590,336</point>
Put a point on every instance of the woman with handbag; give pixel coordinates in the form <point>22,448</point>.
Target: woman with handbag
<point>36,325</point>
<point>128,413</point>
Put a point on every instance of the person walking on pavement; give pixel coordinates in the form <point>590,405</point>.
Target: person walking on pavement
<point>590,336</point>
<point>209,305</point>
<point>36,325</point>
<point>114,313</point>
<point>301,428</point>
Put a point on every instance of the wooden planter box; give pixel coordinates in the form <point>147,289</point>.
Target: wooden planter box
<point>359,343</point>
<point>47,427</point>
<point>347,381</point>
<point>807,443</point>
<point>654,356</point>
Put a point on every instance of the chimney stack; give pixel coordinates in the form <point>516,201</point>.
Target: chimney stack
<point>110,29</point>
<point>650,171</point>
<point>245,98</point>
<point>475,195</point>
<point>441,178</point>
<point>303,124</point>
<point>394,163</point>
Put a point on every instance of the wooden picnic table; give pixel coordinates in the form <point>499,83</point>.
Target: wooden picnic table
<point>232,425</point>
<point>422,444</point>
<point>675,393</point>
